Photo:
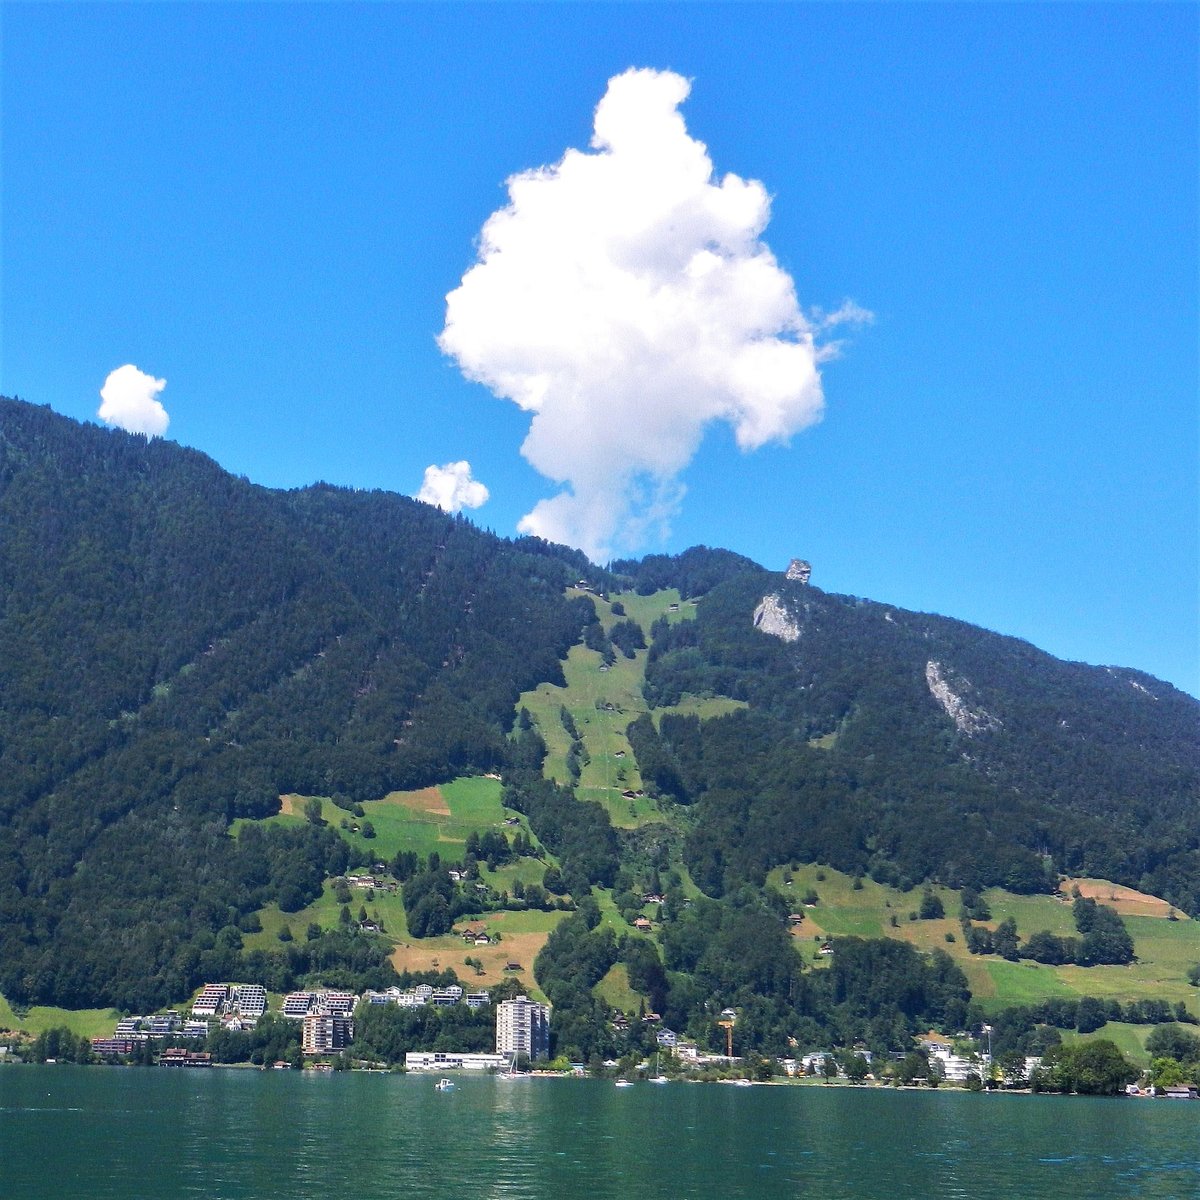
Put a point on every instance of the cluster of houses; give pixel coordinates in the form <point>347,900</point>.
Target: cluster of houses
<point>956,1068</point>
<point>298,1005</point>
<point>475,936</point>
<point>522,1027</point>
<point>952,1067</point>
<point>133,1031</point>
<point>373,882</point>
<point>326,1016</point>
<point>234,1006</point>
<point>424,994</point>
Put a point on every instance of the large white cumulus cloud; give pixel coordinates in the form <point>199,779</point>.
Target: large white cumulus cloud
<point>129,400</point>
<point>624,298</point>
<point>451,487</point>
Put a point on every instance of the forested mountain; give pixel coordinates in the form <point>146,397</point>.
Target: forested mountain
<point>913,746</point>
<point>178,647</point>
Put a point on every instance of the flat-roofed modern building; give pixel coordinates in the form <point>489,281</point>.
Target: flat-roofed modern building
<point>325,1033</point>
<point>450,1060</point>
<point>250,999</point>
<point>523,1027</point>
<point>297,1004</point>
<point>211,1000</point>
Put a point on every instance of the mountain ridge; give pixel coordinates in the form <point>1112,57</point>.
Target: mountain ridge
<point>179,646</point>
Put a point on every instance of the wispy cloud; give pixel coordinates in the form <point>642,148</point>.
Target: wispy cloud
<point>451,487</point>
<point>625,298</point>
<point>129,400</point>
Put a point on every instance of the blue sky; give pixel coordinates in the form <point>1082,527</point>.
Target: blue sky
<point>267,206</point>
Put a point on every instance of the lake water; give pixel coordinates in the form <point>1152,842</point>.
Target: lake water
<point>127,1134</point>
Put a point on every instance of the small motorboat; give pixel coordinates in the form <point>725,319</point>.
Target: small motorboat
<point>443,1085</point>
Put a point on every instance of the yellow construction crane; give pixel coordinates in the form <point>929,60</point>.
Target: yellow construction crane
<point>727,1020</point>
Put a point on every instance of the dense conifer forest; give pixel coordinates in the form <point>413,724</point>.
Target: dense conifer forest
<point>179,647</point>
<point>844,756</point>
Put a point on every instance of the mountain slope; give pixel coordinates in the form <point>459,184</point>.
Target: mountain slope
<point>178,647</point>
<point>914,745</point>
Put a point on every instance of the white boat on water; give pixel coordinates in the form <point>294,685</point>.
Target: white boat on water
<point>443,1085</point>
<point>624,1083</point>
<point>512,1072</point>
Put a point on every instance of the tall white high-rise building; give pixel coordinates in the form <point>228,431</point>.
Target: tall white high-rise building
<point>523,1027</point>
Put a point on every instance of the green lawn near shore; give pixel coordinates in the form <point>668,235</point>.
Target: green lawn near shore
<point>85,1022</point>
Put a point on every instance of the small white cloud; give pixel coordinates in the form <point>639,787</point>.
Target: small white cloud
<point>451,487</point>
<point>625,299</point>
<point>129,400</point>
<point>848,313</point>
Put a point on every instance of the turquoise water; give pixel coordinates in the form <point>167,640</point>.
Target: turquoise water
<point>125,1134</point>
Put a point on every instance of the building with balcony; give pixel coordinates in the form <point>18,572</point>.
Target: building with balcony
<point>523,1027</point>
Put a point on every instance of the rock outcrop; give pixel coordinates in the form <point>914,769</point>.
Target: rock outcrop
<point>967,719</point>
<point>771,616</point>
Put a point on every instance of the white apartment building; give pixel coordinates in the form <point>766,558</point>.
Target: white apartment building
<point>523,1027</point>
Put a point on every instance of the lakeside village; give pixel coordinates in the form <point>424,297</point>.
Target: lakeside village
<point>325,1020</point>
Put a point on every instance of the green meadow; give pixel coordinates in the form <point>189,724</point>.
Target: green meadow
<point>602,701</point>
<point>1129,1039</point>
<point>383,907</point>
<point>615,990</point>
<point>1165,948</point>
<point>521,936</point>
<point>86,1022</point>
<point>430,819</point>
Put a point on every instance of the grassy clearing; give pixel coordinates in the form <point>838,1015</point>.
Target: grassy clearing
<point>1129,1039</point>
<point>522,935</point>
<point>1165,948</point>
<point>615,990</point>
<point>1021,982</point>
<point>527,870</point>
<point>430,819</point>
<point>387,908</point>
<point>602,701</point>
<point>843,910</point>
<point>1031,913</point>
<point>609,915</point>
<point>86,1022</point>
<point>645,610</point>
<point>437,818</point>
<point>704,707</point>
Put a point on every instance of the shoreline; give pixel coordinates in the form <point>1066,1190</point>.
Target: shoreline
<point>813,1083</point>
